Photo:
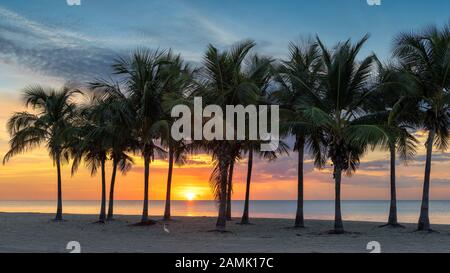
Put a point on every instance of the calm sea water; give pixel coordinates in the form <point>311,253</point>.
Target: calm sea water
<point>374,211</point>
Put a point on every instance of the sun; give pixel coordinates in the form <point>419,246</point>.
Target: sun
<point>190,196</point>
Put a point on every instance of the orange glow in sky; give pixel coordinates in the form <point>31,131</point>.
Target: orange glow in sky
<point>32,176</point>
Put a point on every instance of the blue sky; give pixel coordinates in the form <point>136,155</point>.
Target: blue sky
<point>50,41</point>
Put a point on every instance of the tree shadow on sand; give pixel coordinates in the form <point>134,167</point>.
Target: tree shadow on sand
<point>144,224</point>
<point>392,226</point>
<point>221,231</point>
<point>426,232</point>
<point>334,232</point>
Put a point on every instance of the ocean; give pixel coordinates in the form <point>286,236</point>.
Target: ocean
<point>372,211</point>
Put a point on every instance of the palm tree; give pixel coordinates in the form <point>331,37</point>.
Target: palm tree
<point>260,72</point>
<point>230,190</point>
<point>223,82</point>
<point>122,162</point>
<point>50,125</point>
<point>177,155</point>
<point>336,109</point>
<point>298,77</point>
<point>93,142</point>
<point>394,108</point>
<point>145,80</point>
<point>236,155</point>
<point>120,115</point>
<point>120,122</point>
<point>425,56</point>
<point>253,147</point>
<point>178,87</point>
<point>245,220</point>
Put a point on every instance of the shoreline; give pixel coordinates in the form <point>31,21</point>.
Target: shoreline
<point>364,211</point>
<point>36,232</point>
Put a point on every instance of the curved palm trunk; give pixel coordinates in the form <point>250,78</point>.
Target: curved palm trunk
<point>223,169</point>
<point>169,185</point>
<point>392,221</point>
<point>230,190</point>
<point>144,218</point>
<point>338,224</point>
<point>111,192</point>
<point>102,216</point>
<point>299,218</point>
<point>424,220</point>
<point>59,215</point>
<point>245,216</point>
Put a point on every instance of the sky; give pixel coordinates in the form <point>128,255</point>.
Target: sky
<point>50,43</point>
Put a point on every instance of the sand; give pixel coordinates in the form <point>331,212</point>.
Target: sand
<point>37,233</point>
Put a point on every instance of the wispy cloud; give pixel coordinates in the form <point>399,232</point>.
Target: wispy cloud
<point>49,50</point>
<point>75,56</point>
<point>220,34</point>
<point>188,32</point>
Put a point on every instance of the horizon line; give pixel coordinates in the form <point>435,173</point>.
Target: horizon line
<point>202,200</point>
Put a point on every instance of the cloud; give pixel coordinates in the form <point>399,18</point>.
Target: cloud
<point>50,50</point>
<point>188,33</point>
<point>375,165</point>
<point>212,30</point>
<point>282,169</point>
<point>437,157</point>
<point>60,52</point>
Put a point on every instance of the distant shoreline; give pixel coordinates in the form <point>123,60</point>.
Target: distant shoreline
<point>36,232</point>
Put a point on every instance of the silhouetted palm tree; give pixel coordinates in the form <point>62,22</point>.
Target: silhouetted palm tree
<point>425,55</point>
<point>177,155</point>
<point>394,108</point>
<point>223,82</point>
<point>122,162</point>
<point>235,157</point>
<point>178,87</point>
<point>259,71</point>
<point>145,82</point>
<point>252,148</point>
<point>336,109</point>
<point>298,77</point>
<point>50,125</point>
<point>94,141</point>
<point>120,122</point>
<point>245,220</point>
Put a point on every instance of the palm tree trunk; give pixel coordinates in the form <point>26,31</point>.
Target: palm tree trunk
<point>424,220</point>
<point>102,216</point>
<point>59,216</point>
<point>169,184</point>
<point>144,218</point>
<point>245,216</point>
<point>223,169</point>
<point>111,192</point>
<point>338,225</point>
<point>393,207</point>
<point>299,218</point>
<point>230,190</point>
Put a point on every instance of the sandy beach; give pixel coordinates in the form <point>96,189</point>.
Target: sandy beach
<point>37,233</point>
